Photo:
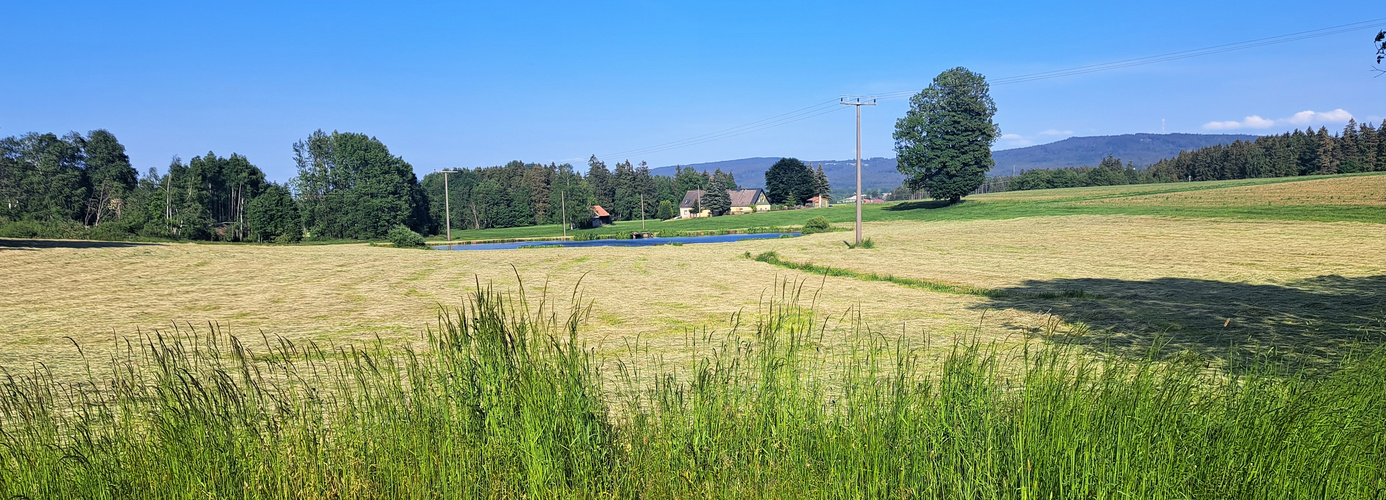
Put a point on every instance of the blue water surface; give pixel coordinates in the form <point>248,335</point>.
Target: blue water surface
<point>720,238</point>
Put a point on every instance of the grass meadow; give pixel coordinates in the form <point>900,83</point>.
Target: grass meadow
<point>1096,343</point>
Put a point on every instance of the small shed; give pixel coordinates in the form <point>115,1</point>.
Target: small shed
<point>600,217</point>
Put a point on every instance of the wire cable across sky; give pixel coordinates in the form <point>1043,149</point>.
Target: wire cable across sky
<point>831,106</point>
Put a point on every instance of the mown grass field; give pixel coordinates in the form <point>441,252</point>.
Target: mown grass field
<point>1176,275</point>
<point>1183,309</point>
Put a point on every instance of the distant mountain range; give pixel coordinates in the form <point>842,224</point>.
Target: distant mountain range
<point>1141,149</point>
<point>880,173</point>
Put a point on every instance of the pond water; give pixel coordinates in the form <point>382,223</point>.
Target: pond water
<point>720,238</point>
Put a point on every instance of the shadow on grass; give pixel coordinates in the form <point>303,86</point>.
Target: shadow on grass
<point>19,244</point>
<point>1305,323</point>
<point>920,205</point>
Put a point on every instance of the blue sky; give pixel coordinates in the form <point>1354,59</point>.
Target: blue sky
<point>481,83</point>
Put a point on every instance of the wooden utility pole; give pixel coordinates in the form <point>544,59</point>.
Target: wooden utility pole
<point>642,211</point>
<point>563,200</point>
<point>447,203</point>
<point>858,102</point>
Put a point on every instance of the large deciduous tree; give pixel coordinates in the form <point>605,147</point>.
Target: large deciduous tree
<point>110,173</point>
<point>41,178</point>
<point>273,216</point>
<point>943,143</point>
<point>687,179</point>
<point>789,182</point>
<point>352,187</point>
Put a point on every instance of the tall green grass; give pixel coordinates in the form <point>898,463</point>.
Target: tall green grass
<point>506,402</point>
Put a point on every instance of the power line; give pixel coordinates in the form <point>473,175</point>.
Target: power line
<point>827,107</point>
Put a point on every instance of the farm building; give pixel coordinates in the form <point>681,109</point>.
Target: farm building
<point>746,201</point>
<point>864,199</point>
<point>819,202</point>
<point>600,217</point>
<point>743,201</point>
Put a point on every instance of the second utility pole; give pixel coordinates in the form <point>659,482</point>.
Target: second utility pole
<point>858,102</point>
<point>447,202</point>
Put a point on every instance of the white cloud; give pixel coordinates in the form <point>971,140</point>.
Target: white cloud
<point>1015,140</point>
<point>1057,132</point>
<point>1299,119</point>
<point>1222,125</point>
<point>1253,121</point>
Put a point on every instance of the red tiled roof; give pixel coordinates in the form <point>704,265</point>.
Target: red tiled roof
<point>601,212</point>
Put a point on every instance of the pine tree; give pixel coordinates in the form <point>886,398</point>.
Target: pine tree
<point>1328,161</point>
<point>716,199</point>
<point>600,180</point>
<point>821,187</point>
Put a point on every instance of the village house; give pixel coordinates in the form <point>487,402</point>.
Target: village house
<point>743,201</point>
<point>819,202</point>
<point>748,201</point>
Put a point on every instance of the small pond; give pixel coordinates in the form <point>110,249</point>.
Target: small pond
<point>720,238</point>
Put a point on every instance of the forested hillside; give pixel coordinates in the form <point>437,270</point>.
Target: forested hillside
<point>1141,150</point>
<point>1358,148</point>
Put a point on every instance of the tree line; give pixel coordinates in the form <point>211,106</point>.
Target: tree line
<point>85,186</point>
<point>347,186</point>
<point>1358,148</point>
<point>526,194</point>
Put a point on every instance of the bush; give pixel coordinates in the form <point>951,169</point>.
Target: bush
<point>403,237</point>
<point>21,229</point>
<point>156,229</point>
<point>110,231</point>
<point>817,225</point>
<point>44,230</point>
